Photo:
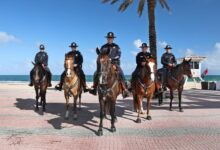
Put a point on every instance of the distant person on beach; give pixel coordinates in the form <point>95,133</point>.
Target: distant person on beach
<point>41,58</point>
<point>78,61</point>
<point>114,55</point>
<point>141,59</point>
<point>168,61</point>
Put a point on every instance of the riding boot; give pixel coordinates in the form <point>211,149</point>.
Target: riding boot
<point>60,85</point>
<point>49,79</point>
<point>31,78</point>
<point>85,87</point>
<point>95,84</point>
<point>125,92</point>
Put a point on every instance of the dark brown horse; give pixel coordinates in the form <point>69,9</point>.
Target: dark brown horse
<point>40,84</point>
<point>175,81</point>
<point>108,89</point>
<point>144,85</point>
<point>72,86</point>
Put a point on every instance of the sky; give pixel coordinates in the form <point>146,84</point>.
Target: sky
<point>191,28</point>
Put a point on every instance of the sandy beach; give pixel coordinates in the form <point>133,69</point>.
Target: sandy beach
<point>198,127</point>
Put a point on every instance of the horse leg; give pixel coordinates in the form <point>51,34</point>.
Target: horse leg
<point>171,99</point>
<point>43,98</point>
<point>180,99</point>
<point>139,101</point>
<point>37,97</point>
<point>112,112</point>
<point>100,131</point>
<point>75,108</point>
<point>148,107</point>
<point>134,103</point>
<point>80,96</point>
<point>67,107</point>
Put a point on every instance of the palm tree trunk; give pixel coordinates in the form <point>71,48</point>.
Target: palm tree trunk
<point>152,29</point>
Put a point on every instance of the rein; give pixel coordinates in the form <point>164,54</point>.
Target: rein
<point>175,79</point>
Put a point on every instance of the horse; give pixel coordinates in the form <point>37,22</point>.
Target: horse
<point>108,89</point>
<point>72,86</point>
<point>144,85</point>
<point>40,82</point>
<point>176,81</point>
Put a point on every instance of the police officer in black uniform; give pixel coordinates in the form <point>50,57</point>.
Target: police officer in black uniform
<point>41,58</point>
<point>78,61</point>
<point>168,61</point>
<point>114,55</point>
<point>141,59</point>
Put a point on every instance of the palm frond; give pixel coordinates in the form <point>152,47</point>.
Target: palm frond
<point>125,5</point>
<point>164,4</point>
<point>141,7</point>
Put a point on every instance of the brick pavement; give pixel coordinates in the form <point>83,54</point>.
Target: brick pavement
<point>198,127</point>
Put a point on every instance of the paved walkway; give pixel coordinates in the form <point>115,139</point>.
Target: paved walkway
<point>198,127</point>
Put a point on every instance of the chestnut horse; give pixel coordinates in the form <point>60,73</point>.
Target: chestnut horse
<point>176,81</point>
<point>108,89</point>
<point>72,86</point>
<point>40,84</point>
<point>144,85</point>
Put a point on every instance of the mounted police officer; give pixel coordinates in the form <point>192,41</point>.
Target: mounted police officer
<point>141,59</point>
<point>78,61</point>
<point>168,61</point>
<point>114,55</point>
<point>42,58</point>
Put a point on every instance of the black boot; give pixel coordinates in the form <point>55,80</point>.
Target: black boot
<point>31,78</point>
<point>49,80</point>
<point>31,83</point>
<point>60,85</point>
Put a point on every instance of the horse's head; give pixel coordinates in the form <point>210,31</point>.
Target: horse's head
<point>69,65</point>
<point>105,66</point>
<point>39,73</point>
<point>186,67</point>
<point>152,66</point>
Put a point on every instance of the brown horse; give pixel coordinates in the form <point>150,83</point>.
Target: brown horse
<point>176,81</point>
<point>72,86</point>
<point>108,89</point>
<point>40,84</point>
<point>144,85</point>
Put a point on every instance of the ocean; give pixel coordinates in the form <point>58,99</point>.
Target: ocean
<point>89,78</point>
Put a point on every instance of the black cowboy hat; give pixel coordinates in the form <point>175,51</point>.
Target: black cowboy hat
<point>73,44</point>
<point>110,35</point>
<point>168,47</point>
<point>144,45</point>
<point>42,46</point>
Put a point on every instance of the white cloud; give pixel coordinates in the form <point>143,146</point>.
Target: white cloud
<point>162,44</point>
<point>212,62</point>
<point>137,43</point>
<point>189,52</point>
<point>5,38</point>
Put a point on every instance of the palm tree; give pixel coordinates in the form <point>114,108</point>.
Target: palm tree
<point>151,17</point>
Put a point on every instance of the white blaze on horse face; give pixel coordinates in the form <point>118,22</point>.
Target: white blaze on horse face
<point>151,64</point>
<point>68,69</point>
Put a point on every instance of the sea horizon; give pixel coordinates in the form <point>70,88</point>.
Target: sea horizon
<point>89,78</point>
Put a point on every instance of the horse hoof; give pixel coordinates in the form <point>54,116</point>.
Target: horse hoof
<point>181,110</point>
<point>149,118</point>
<point>171,109</point>
<point>75,117</point>
<point>36,109</point>
<point>113,129</point>
<point>138,120</point>
<point>100,133</point>
<point>115,119</point>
